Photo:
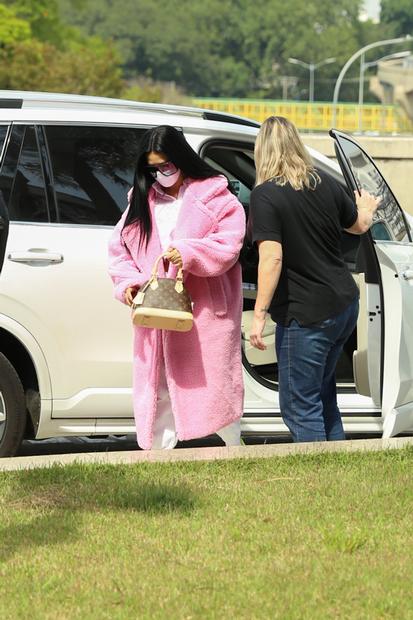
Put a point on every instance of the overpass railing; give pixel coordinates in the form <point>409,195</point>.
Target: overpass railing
<point>318,116</point>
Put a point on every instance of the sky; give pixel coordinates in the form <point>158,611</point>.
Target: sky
<point>372,8</point>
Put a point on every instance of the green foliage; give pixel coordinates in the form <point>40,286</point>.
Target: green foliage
<point>234,48</point>
<point>42,16</point>
<point>399,14</point>
<point>39,52</point>
<point>33,65</point>
<point>226,48</point>
<point>145,89</point>
<point>12,28</point>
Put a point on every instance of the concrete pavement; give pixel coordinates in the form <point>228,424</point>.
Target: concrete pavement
<point>203,454</point>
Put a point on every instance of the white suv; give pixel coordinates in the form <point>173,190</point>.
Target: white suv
<point>66,164</point>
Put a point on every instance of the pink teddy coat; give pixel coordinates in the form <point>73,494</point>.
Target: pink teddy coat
<point>203,367</point>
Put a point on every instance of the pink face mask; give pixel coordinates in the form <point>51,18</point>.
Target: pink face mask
<point>167,181</point>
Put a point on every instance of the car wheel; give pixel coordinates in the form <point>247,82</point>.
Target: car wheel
<point>12,409</point>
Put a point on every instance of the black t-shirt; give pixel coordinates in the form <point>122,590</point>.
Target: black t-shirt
<point>315,283</point>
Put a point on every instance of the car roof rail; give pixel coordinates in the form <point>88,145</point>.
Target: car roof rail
<point>31,99</point>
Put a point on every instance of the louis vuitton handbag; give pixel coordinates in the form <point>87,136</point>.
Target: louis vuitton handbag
<point>163,303</point>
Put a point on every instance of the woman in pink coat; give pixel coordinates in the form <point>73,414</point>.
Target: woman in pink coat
<point>185,385</point>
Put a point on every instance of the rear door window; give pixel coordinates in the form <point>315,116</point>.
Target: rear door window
<point>92,169</point>
<point>4,218</point>
<point>237,163</point>
<point>22,178</point>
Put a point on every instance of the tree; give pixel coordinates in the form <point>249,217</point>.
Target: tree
<point>398,14</point>
<point>42,16</point>
<point>33,65</point>
<point>12,28</point>
<point>39,52</point>
<point>227,47</point>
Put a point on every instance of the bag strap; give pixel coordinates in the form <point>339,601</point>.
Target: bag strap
<point>154,273</point>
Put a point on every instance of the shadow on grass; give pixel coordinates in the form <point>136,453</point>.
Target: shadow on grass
<point>46,507</point>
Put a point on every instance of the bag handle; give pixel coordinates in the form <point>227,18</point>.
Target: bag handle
<point>154,273</point>
<point>153,282</point>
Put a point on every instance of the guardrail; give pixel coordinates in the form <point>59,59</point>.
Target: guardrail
<point>380,119</point>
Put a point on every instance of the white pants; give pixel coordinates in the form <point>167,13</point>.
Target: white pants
<point>164,433</point>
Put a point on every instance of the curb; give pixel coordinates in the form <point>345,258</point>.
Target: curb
<point>204,454</point>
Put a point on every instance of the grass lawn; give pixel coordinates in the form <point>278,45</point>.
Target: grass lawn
<point>325,536</point>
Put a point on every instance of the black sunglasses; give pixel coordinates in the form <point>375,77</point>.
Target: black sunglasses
<point>167,168</point>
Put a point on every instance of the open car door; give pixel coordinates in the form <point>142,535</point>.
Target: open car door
<point>390,237</point>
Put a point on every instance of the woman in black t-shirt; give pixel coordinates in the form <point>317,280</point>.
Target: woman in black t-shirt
<point>297,216</point>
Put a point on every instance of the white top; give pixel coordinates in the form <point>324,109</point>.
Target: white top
<point>166,216</point>
<point>166,213</point>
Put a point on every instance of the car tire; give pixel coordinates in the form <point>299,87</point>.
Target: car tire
<point>12,409</point>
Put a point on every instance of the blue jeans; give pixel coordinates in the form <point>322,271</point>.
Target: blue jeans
<point>307,359</point>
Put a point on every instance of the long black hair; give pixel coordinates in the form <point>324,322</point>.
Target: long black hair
<point>168,140</point>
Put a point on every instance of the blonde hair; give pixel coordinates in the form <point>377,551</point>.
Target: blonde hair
<point>280,155</point>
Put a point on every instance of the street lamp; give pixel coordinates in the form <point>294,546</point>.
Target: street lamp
<point>311,67</point>
<point>350,61</point>
<point>367,65</point>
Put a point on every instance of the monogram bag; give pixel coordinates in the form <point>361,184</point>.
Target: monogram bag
<point>163,303</point>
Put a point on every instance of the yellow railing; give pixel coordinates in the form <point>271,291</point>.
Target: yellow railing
<point>317,116</point>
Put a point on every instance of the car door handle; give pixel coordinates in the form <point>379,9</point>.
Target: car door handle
<point>408,274</point>
<point>35,257</point>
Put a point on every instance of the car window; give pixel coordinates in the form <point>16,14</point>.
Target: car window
<point>27,200</point>
<point>93,169</point>
<point>237,163</point>
<point>380,231</point>
<point>3,133</point>
<point>389,216</point>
